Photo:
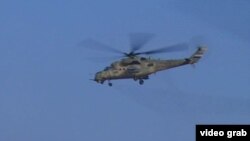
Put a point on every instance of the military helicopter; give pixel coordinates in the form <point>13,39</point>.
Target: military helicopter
<point>137,67</point>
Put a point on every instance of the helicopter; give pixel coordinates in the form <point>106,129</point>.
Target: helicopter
<point>135,66</point>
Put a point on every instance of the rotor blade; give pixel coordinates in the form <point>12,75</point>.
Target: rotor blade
<point>101,59</point>
<point>92,44</point>
<point>172,48</point>
<point>138,40</point>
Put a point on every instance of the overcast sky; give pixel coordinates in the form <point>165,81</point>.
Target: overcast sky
<point>46,94</point>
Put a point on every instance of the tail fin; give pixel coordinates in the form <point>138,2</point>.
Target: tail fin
<point>197,55</point>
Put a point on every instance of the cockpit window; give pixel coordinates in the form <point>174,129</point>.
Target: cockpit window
<point>107,68</point>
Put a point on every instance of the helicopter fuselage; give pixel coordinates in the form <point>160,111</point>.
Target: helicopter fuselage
<point>136,68</point>
<point>139,68</point>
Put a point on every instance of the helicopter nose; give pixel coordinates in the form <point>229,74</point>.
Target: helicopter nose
<point>98,77</point>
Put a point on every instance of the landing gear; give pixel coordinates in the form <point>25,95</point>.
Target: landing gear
<point>141,81</point>
<point>110,84</point>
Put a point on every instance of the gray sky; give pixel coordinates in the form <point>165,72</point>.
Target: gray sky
<point>45,92</point>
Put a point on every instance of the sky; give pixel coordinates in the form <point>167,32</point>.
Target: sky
<point>46,94</point>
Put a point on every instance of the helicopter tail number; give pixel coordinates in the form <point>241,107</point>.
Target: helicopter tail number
<point>197,55</point>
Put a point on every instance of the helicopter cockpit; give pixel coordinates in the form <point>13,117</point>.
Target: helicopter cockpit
<point>112,66</point>
<point>107,68</point>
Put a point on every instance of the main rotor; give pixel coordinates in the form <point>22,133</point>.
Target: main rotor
<point>137,42</point>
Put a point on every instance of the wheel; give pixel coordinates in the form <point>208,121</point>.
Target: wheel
<point>101,82</point>
<point>110,84</point>
<point>141,81</point>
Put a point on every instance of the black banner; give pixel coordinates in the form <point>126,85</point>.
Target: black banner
<point>223,132</point>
